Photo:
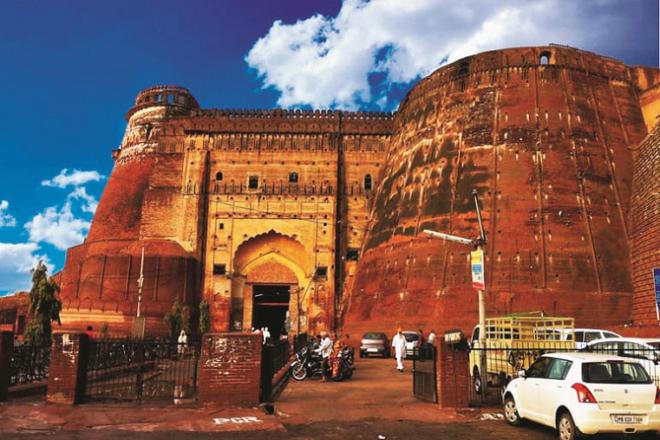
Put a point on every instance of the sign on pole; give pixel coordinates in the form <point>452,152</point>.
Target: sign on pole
<point>477,260</point>
<point>656,283</point>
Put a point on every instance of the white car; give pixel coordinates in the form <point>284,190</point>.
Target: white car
<point>583,336</point>
<point>646,351</point>
<point>412,342</point>
<point>584,393</point>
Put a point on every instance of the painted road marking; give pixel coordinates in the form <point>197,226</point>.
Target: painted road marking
<point>237,420</point>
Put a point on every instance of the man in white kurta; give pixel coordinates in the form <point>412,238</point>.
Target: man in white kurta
<point>399,346</point>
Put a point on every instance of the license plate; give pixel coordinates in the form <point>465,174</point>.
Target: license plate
<point>372,350</point>
<point>628,420</point>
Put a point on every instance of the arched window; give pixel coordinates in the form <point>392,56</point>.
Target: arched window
<point>545,58</point>
<point>367,182</point>
<point>293,177</point>
<point>218,175</point>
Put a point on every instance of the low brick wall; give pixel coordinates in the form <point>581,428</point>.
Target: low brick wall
<point>6,347</point>
<point>453,371</point>
<point>66,374</point>
<point>230,369</point>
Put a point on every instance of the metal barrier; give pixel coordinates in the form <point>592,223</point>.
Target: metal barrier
<point>504,361</point>
<point>139,371</point>
<point>425,377</point>
<point>274,357</point>
<point>28,364</point>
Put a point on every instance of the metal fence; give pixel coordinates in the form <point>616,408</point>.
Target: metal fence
<point>425,385</point>
<point>274,357</point>
<point>142,370</point>
<point>28,364</point>
<point>492,366</point>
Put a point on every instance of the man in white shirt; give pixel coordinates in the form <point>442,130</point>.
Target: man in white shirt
<point>325,350</point>
<point>432,337</point>
<point>399,345</point>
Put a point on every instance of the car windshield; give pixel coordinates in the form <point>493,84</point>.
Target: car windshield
<point>373,336</point>
<point>614,372</point>
<point>410,337</point>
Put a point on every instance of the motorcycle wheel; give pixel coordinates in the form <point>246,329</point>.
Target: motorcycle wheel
<point>348,373</point>
<point>299,372</point>
<point>338,378</point>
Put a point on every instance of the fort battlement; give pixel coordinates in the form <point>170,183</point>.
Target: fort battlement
<point>305,219</point>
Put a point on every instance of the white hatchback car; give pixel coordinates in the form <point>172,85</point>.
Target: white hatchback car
<point>584,393</point>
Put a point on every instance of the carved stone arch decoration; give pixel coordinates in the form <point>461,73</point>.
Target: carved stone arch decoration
<point>273,245</point>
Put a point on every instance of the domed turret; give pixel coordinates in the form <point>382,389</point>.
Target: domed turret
<point>163,96</point>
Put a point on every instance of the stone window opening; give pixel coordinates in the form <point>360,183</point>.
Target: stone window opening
<point>367,182</point>
<point>544,58</point>
<point>253,182</point>
<point>218,175</point>
<point>293,177</point>
<point>219,269</point>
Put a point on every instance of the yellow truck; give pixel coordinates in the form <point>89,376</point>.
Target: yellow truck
<point>513,342</point>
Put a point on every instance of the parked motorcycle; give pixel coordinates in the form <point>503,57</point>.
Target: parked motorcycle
<point>307,364</point>
<point>345,368</point>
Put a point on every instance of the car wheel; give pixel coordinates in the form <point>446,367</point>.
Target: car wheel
<point>511,411</point>
<point>476,381</point>
<point>362,354</point>
<point>566,427</point>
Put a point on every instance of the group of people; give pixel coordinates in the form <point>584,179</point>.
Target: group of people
<point>399,345</point>
<point>329,352</point>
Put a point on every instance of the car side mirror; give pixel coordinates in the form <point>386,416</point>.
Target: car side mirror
<point>522,374</point>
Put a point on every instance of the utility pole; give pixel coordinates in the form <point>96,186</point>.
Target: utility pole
<point>478,279</point>
<point>139,323</point>
<point>140,282</point>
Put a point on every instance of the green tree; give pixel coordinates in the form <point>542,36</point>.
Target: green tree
<point>174,319</point>
<point>204,317</point>
<point>45,306</point>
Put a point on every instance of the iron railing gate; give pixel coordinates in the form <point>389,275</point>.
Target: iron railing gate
<point>425,373</point>
<point>274,356</point>
<point>29,363</point>
<point>142,371</point>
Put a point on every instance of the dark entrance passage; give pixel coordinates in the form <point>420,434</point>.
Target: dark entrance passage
<point>270,308</point>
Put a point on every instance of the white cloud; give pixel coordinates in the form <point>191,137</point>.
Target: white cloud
<point>89,202</point>
<point>57,227</point>
<point>16,261</point>
<point>326,61</point>
<point>6,219</point>
<point>75,178</point>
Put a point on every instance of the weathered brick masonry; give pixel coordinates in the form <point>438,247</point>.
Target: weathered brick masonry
<point>329,206</point>
<point>6,346</point>
<point>230,369</point>
<point>67,369</point>
<point>646,227</point>
<point>547,136</point>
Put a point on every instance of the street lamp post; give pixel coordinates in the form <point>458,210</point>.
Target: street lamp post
<point>477,245</point>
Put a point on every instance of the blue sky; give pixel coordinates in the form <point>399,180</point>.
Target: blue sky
<point>71,69</point>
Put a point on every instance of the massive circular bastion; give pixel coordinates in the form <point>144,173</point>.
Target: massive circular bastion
<point>547,136</point>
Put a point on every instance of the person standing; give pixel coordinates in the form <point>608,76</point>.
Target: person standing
<point>432,337</point>
<point>325,350</point>
<point>399,345</point>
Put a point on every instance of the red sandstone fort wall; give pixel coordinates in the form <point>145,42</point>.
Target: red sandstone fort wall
<point>546,136</point>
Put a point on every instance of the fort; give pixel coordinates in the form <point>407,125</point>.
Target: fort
<point>303,220</point>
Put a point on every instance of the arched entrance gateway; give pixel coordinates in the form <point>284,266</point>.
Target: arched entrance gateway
<point>273,286</point>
